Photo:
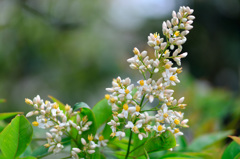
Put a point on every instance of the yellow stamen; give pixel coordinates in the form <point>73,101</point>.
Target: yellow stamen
<point>47,145</point>
<point>125,107</point>
<point>159,87</point>
<point>101,138</point>
<point>155,35</point>
<point>135,51</point>
<point>176,130</point>
<point>167,66</point>
<point>113,134</point>
<point>112,100</point>
<point>46,102</point>
<point>173,78</point>
<point>176,121</point>
<point>55,106</point>
<point>147,129</point>
<point>45,120</point>
<point>138,108</point>
<point>90,137</point>
<point>177,33</point>
<point>179,70</point>
<point>28,101</point>
<point>182,106</point>
<point>169,103</point>
<point>159,128</point>
<point>35,123</point>
<point>167,51</point>
<point>165,115</point>
<point>141,82</point>
<point>84,119</point>
<point>127,91</point>
<point>135,129</point>
<point>67,107</point>
<point>107,96</point>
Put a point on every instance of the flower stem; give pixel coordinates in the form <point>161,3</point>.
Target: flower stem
<point>129,143</point>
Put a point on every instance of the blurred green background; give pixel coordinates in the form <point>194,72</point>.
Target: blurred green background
<point>72,50</point>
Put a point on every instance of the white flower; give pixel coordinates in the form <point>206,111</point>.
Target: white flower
<point>74,153</point>
<point>142,135</point>
<point>135,110</point>
<point>43,122</point>
<point>170,78</point>
<point>176,132</point>
<point>101,140</point>
<point>120,134</point>
<point>124,112</point>
<point>134,128</point>
<point>165,115</point>
<point>159,128</point>
<point>127,92</point>
<point>113,125</point>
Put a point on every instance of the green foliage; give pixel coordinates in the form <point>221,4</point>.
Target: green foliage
<point>8,115</point>
<point>29,157</point>
<point>163,142</point>
<point>102,111</point>
<point>40,151</point>
<point>16,137</point>
<point>137,143</point>
<point>232,151</point>
<point>119,144</point>
<point>206,140</point>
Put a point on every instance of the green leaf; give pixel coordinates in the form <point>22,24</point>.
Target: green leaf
<point>163,142</point>
<point>60,104</point>
<point>80,106</point>
<point>40,151</point>
<point>238,156</point>
<point>2,100</point>
<point>27,152</point>
<point>206,140</point>
<point>16,137</point>
<point>177,158</point>
<point>179,155</point>
<point>181,140</point>
<point>97,154</point>
<point>102,111</point>
<point>137,143</point>
<point>8,115</point>
<point>119,144</point>
<point>28,157</point>
<point>107,132</point>
<point>231,151</point>
<point>2,125</point>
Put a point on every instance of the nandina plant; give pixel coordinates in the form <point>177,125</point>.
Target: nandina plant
<point>133,120</point>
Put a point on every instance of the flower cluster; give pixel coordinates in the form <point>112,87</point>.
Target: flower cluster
<point>160,73</point>
<point>60,123</point>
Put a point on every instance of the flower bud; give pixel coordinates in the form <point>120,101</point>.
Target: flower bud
<point>83,141</point>
<point>30,114</point>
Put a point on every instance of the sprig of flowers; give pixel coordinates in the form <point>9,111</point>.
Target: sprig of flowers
<point>128,100</point>
<point>59,124</point>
